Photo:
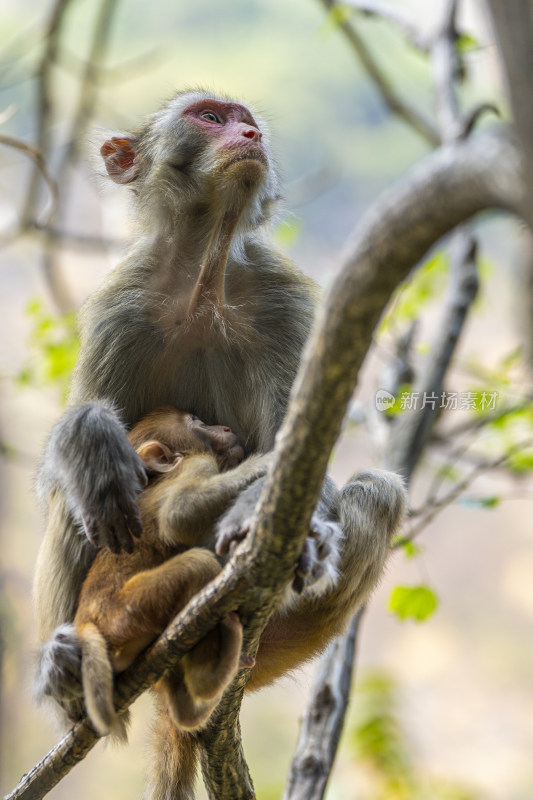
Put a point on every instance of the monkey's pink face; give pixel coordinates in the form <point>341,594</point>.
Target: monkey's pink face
<point>231,126</point>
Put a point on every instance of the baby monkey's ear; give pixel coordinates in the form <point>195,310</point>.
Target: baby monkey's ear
<point>158,458</point>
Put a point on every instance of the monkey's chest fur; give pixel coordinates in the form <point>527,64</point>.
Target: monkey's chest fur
<point>230,364</point>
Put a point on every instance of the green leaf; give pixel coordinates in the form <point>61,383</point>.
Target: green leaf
<point>413,602</point>
<point>337,16</point>
<point>53,348</point>
<point>448,473</point>
<point>289,231</point>
<point>521,462</point>
<point>480,502</point>
<point>410,549</point>
<point>465,43</point>
<point>425,283</point>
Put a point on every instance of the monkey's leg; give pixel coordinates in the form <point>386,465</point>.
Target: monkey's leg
<point>187,712</point>
<point>213,663</point>
<point>172,769</point>
<point>372,505</point>
<point>149,600</point>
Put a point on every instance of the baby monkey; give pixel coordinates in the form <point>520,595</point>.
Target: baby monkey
<point>128,599</point>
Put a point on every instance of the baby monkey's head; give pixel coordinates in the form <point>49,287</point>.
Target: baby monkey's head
<point>164,437</point>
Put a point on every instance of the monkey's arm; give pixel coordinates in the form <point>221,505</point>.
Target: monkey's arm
<point>90,459</point>
<point>371,507</point>
<point>194,503</point>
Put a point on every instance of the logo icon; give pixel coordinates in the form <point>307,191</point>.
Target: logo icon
<point>384,400</point>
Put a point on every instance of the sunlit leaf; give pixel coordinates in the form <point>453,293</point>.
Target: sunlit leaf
<point>521,462</point>
<point>480,502</point>
<point>413,602</point>
<point>53,348</point>
<point>288,232</point>
<point>465,43</point>
<point>337,16</point>
<point>448,473</point>
<point>425,283</point>
<point>410,549</point>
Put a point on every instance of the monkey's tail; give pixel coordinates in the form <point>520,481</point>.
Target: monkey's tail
<point>97,679</point>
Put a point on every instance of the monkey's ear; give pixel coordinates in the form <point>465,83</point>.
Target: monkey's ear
<point>120,158</point>
<point>158,457</point>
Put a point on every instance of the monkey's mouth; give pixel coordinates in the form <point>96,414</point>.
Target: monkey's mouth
<point>246,155</point>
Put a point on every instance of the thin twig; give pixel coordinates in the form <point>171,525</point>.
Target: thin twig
<point>38,160</point>
<point>397,16</point>
<point>438,504</point>
<point>86,103</point>
<point>394,103</point>
<point>45,104</point>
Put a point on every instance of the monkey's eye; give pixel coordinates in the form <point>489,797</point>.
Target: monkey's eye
<point>210,117</point>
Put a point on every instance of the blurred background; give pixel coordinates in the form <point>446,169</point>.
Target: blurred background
<point>440,709</point>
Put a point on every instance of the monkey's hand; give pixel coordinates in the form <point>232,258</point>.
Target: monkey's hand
<point>89,455</point>
<point>317,566</point>
<point>234,525</point>
<point>58,673</point>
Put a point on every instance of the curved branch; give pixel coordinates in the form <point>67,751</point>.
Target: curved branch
<point>513,23</point>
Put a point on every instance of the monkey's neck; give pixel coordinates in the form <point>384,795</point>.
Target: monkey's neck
<point>209,288</point>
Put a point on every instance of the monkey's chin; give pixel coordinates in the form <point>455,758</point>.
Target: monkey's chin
<point>246,169</point>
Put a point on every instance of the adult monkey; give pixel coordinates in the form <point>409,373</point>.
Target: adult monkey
<point>203,314</point>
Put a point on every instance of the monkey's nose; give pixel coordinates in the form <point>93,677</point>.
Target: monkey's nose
<point>253,133</point>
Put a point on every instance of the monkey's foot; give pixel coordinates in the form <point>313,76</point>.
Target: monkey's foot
<point>316,568</point>
<point>58,673</point>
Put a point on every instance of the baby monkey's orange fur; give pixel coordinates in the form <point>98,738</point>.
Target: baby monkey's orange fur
<point>127,600</point>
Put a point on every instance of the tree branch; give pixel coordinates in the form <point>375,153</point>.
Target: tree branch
<point>393,102</point>
<point>45,104</point>
<point>513,23</point>
<point>397,16</point>
<point>87,99</point>
<point>323,720</point>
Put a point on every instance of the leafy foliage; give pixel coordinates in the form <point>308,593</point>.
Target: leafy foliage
<point>381,746</point>
<point>425,284</point>
<point>53,346</point>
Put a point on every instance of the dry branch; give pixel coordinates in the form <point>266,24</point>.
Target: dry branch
<point>323,720</point>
